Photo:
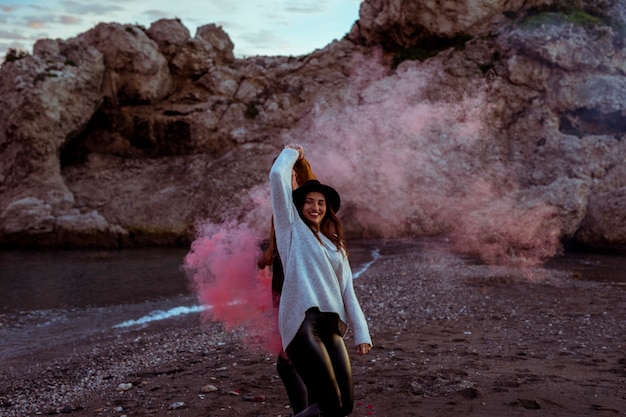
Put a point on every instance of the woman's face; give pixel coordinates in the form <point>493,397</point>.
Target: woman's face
<point>314,208</point>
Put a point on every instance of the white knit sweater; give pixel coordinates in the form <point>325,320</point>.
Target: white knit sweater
<point>316,274</point>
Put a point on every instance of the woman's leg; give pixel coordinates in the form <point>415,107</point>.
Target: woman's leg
<point>296,390</point>
<point>320,358</point>
<point>338,353</point>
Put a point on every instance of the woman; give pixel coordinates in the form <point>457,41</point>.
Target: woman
<point>317,296</point>
<point>299,397</point>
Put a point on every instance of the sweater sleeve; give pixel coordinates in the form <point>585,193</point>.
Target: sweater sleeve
<point>280,187</point>
<point>356,318</point>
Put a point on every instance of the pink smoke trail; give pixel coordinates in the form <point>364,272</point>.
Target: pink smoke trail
<point>222,265</point>
<point>413,161</point>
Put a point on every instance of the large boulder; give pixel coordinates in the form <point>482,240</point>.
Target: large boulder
<point>396,24</point>
<point>136,71</point>
<point>192,57</point>
<point>604,227</point>
<point>46,100</point>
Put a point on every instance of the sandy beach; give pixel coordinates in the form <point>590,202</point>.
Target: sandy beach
<point>452,338</point>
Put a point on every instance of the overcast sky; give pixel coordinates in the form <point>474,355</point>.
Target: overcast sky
<point>256,27</point>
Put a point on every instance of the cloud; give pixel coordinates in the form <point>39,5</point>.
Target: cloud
<point>70,20</point>
<point>228,6</point>
<point>260,37</point>
<point>5,34</point>
<point>90,7</point>
<point>261,40</point>
<point>276,17</point>
<point>155,14</point>
<point>36,23</point>
<point>306,7</point>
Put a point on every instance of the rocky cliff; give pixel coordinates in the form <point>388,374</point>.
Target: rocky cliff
<point>491,122</point>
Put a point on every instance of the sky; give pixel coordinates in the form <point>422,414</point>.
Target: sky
<point>256,27</point>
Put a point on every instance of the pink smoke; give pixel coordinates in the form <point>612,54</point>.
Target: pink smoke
<point>222,265</point>
<point>411,159</point>
<point>499,232</point>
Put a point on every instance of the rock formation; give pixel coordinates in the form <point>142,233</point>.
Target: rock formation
<point>125,136</point>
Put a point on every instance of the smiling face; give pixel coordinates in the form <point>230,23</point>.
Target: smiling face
<point>314,208</point>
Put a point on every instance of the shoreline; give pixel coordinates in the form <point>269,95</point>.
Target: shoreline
<point>450,338</point>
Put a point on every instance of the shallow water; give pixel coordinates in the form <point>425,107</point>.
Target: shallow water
<point>592,267</point>
<point>56,296</point>
<point>39,280</point>
<point>59,296</point>
<point>42,280</point>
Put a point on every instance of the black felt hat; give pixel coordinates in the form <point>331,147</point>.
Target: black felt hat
<point>332,196</point>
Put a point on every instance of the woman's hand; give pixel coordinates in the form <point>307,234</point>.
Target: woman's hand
<point>297,148</point>
<point>363,348</point>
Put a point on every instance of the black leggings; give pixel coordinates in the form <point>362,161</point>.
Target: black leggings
<point>319,355</point>
<point>299,396</point>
